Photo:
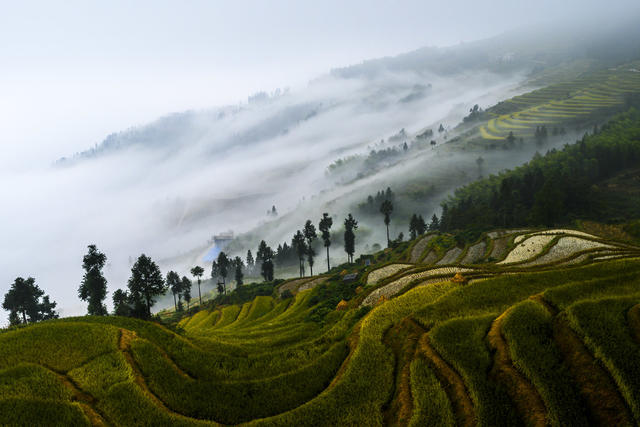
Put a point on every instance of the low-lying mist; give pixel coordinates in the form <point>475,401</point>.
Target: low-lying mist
<point>165,188</point>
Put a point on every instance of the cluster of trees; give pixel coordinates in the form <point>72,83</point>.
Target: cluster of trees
<point>223,266</point>
<point>27,303</point>
<point>372,205</point>
<point>181,288</point>
<point>362,166</point>
<point>551,189</point>
<point>144,285</point>
<point>417,226</point>
<point>475,113</point>
<point>303,244</point>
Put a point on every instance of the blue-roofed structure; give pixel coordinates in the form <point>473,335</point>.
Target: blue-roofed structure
<point>212,254</point>
<point>220,242</point>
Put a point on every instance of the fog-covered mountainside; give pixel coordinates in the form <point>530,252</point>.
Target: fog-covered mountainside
<point>392,122</point>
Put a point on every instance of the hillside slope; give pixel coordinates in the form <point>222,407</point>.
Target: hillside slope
<point>538,326</point>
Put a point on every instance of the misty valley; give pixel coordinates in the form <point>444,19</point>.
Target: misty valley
<point>448,236</point>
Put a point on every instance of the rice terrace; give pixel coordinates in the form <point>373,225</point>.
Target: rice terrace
<point>544,332</point>
<point>559,105</point>
<point>320,214</point>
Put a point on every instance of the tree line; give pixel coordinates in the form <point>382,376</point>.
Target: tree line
<point>552,189</point>
<point>27,303</point>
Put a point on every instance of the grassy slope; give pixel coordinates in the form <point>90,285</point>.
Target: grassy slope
<point>271,367</point>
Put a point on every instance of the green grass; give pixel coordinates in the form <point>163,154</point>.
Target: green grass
<point>244,400</point>
<point>29,381</point>
<point>59,346</point>
<point>98,375</point>
<point>528,331</point>
<point>604,327</point>
<point>37,412</point>
<point>430,402</point>
<point>228,316</point>
<point>461,342</point>
<point>267,362</point>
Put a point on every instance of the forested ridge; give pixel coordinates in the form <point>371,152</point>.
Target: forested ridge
<point>555,188</point>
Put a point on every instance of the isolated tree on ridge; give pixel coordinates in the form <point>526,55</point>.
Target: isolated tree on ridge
<point>350,224</point>
<point>310,235</point>
<point>94,286</point>
<point>197,272</point>
<point>145,284</point>
<point>386,208</point>
<point>325,225</point>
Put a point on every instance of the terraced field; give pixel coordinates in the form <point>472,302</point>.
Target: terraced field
<point>562,104</point>
<point>531,338</point>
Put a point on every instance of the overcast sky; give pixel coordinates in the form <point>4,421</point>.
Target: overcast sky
<point>73,71</point>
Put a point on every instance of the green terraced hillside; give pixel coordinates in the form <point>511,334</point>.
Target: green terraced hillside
<point>519,327</point>
<point>593,93</point>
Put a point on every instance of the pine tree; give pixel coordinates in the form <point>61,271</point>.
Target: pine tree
<point>94,286</point>
<point>413,226</point>
<point>310,235</point>
<point>325,225</point>
<point>265,254</point>
<point>239,275</point>
<point>175,286</point>
<point>223,267</point>
<point>145,284</point>
<point>250,260</point>
<point>300,246</point>
<point>386,208</point>
<point>435,223</point>
<point>350,225</point>
<point>421,226</point>
<point>185,290</point>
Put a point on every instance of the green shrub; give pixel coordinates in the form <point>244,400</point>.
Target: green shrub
<point>441,243</point>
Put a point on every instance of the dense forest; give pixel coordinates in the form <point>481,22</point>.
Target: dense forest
<point>558,187</point>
